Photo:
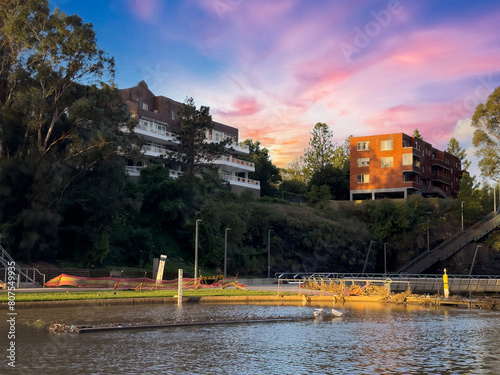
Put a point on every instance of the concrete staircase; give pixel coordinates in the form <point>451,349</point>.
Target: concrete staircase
<point>449,247</point>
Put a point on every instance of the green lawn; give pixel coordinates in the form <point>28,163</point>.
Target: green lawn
<point>110,294</point>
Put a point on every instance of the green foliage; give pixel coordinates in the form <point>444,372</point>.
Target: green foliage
<point>320,151</point>
<point>265,171</point>
<point>403,226</point>
<point>335,178</point>
<point>417,134</point>
<point>194,152</point>
<point>486,121</point>
<point>455,149</point>
<point>319,194</point>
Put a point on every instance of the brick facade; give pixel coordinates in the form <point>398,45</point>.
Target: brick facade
<point>397,165</point>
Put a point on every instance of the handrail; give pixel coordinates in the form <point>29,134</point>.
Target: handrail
<point>453,244</point>
<point>7,261</point>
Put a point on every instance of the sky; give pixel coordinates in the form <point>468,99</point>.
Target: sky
<point>275,68</point>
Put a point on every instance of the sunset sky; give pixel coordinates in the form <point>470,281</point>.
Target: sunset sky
<point>275,68</point>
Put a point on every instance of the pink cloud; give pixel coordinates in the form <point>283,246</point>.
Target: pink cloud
<point>242,107</point>
<point>146,10</point>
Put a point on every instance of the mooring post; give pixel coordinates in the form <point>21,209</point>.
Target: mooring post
<point>445,285</point>
<point>179,287</point>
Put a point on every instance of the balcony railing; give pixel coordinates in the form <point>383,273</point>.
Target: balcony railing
<point>152,130</point>
<point>155,149</point>
<point>242,180</point>
<point>235,162</point>
<point>136,171</point>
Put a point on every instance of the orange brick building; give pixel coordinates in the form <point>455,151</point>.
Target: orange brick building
<point>397,165</point>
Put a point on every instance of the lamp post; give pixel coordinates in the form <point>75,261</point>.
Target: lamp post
<point>385,258</point>
<point>269,253</point>
<point>225,252</point>
<point>367,255</point>
<point>196,252</point>
<point>428,248</point>
<point>470,272</point>
<point>462,205</point>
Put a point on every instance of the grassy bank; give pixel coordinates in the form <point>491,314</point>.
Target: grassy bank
<point>111,294</point>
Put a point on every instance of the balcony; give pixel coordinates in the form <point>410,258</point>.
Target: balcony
<point>135,171</point>
<point>233,164</point>
<point>413,150</point>
<point>242,181</point>
<point>411,169</point>
<point>156,151</point>
<point>239,148</point>
<point>440,163</point>
<point>154,134</point>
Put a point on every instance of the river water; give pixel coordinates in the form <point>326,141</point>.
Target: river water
<point>369,338</point>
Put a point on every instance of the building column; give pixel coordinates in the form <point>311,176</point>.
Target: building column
<point>373,195</point>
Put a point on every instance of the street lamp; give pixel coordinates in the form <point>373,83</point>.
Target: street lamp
<point>225,252</point>
<point>196,252</point>
<point>367,255</point>
<point>428,235</point>
<point>269,253</point>
<point>462,205</point>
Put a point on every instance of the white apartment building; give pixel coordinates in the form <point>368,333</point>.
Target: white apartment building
<point>157,124</point>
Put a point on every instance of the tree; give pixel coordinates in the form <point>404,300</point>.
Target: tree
<point>342,155</point>
<point>54,129</point>
<point>417,134</point>
<point>44,55</point>
<point>335,178</point>
<point>486,121</point>
<point>455,149</point>
<point>265,171</point>
<point>321,150</point>
<point>193,151</point>
<point>295,171</point>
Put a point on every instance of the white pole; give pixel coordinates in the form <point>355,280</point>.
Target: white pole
<point>196,252</point>
<point>179,287</point>
<point>225,253</point>
<point>269,253</point>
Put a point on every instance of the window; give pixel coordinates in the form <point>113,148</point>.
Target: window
<point>143,106</point>
<point>386,145</point>
<point>406,177</point>
<point>407,159</point>
<point>173,115</point>
<point>363,146</point>
<point>363,178</point>
<point>363,162</point>
<point>386,162</point>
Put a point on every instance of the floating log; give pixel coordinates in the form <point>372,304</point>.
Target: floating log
<point>66,328</point>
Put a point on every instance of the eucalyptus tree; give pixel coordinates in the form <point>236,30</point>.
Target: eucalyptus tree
<point>58,119</point>
<point>486,122</point>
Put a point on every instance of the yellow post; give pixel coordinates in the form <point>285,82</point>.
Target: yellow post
<point>445,283</point>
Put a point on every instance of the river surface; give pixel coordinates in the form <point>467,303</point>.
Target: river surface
<point>369,338</point>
